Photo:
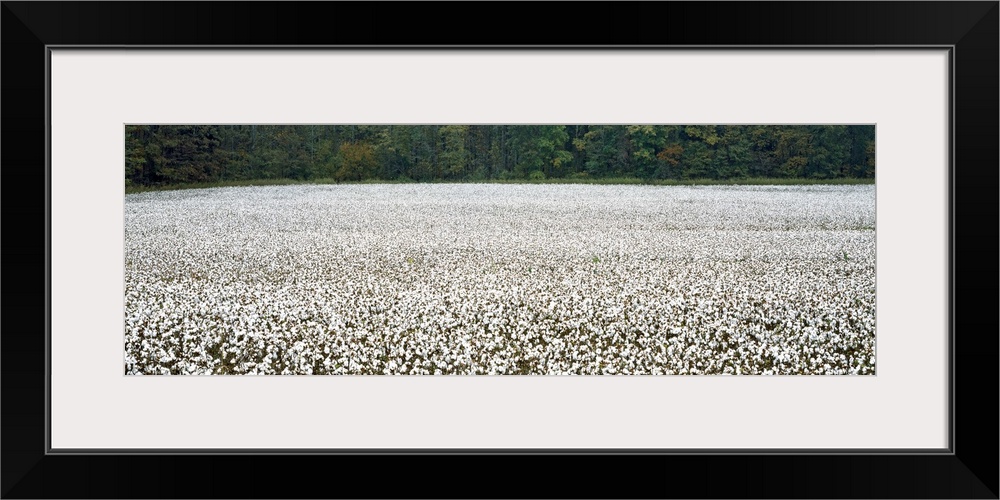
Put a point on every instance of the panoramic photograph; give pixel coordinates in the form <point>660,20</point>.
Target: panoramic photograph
<point>533,249</point>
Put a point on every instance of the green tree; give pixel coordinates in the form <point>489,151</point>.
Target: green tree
<point>357,162</point>
<point>453,156</point>
<point>170,154</point>
<point>792,149</point>
<point>869,167</point>
<point>697,161</point>
<point>135,156</point>
<point>733,156</point>
<point>604,147</point>
<point>829,153</point>
<point>188,154</point>
<point>643,142</point>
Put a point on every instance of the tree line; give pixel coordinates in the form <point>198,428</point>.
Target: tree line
<point>159,155</point>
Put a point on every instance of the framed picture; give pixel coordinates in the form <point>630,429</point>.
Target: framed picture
<point>906,92</point>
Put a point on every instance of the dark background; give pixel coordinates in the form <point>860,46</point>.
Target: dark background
<point>972,472</point>
<point>173,155</point>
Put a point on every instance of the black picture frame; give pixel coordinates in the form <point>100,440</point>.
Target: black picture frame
<point>968,470</point>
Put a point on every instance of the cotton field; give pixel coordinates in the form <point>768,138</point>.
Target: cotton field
<point>501,279</point>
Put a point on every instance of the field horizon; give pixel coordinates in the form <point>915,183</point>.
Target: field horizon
<point>749,181</point>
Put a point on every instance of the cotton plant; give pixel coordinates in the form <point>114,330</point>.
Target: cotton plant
<point>501,279</point>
